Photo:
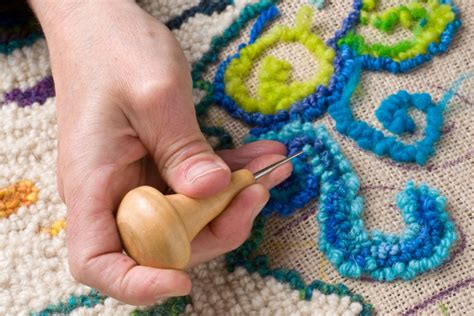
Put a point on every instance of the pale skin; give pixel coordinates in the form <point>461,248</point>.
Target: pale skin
<point>126,118</point>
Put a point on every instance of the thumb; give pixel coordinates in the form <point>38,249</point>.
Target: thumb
<point>188,164</point>
<point>185,160</point>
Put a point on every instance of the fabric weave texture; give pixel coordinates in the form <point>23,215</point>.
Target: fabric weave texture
<point>377,93</point>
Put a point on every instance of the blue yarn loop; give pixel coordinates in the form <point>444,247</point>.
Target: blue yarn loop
<point>347,24</point>
<point>423,245</point>
<point>302,186</point>
<point>393,111</point>
<point>393,114</point>
<point>262,21</point>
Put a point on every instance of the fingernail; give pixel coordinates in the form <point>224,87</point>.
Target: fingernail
<point>201,169</point>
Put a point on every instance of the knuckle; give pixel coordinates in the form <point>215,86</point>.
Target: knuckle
<point>182,149</point>
<point>76,269</point>
<point>164,91</point>
<point>80,267</point>
<point>153,281</point>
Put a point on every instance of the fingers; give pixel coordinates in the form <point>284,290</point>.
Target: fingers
<point>59,185</point>
<point>240,157</point>
<point>118,276</point>
<point>276,176</point>
<point>95,251</point>
<point>231,228</point>
<point>165,120</point>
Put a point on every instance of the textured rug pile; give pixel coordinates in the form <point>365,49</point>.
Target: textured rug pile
<point>378,215</point>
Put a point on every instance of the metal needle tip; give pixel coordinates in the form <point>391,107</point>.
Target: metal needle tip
<point>272,167</point>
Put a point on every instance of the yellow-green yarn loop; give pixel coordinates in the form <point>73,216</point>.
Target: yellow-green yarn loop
<point>434,15</point>
<point>274,91</point>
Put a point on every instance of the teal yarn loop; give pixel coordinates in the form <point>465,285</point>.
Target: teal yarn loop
<point>245,257</point>
<point>88,301</point>
<point>171,307</point>
<point>355,252</point>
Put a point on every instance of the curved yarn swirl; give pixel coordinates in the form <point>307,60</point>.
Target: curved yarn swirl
<point>423,245</point>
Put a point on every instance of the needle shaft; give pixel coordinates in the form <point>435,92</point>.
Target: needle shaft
<point>272,167</point>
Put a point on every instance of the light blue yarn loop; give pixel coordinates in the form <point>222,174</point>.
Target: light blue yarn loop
<point>355,252</point>
<point>393,114</point>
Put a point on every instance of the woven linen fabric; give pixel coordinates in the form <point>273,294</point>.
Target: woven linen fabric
<point>286,267</point>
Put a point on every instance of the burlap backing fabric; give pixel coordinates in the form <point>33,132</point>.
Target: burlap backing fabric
<point>34,274</point>
<point>292,242</point>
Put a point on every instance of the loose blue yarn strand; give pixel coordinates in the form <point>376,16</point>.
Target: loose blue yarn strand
<point>454,88</point>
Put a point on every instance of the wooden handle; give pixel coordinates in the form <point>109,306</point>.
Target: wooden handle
<point>157,230</point>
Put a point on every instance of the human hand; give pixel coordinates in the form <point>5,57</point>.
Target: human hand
<point>126,118</point>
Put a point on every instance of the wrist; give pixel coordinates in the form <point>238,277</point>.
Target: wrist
<point>59,16</point>
<point>52,14</point>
